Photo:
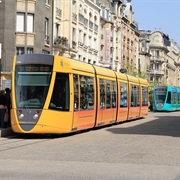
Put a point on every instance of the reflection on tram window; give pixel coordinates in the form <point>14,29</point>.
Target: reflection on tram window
<point>144,96</point>
<point>60,96</point>
<point>76,92</point>
<point>173,97</point>
<point>108,92</point>
<point>83,93</point>
<point>161,96</point>
<point>114,93</point>
<point>86,93</point>
<point>31,87</point>
<point>135,95</point>
<point>123,95</point>
<point>102,93</point>
<point>178,98</point>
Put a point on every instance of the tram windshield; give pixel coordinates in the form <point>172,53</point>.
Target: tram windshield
<point>31,85</point>
<point>160,95</point>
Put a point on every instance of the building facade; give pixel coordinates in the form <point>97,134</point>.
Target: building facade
<point>27,28</point>
<point>160,55</point>
<point>100,32</point>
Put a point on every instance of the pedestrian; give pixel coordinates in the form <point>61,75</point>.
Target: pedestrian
<point>3,108</point>
<point>8,102</point>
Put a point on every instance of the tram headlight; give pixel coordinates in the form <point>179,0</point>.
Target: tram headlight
<point>21,116</point>
<point>159,105</point>
<point>35,116</point>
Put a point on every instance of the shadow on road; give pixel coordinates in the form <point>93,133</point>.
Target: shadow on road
<point>162,126</point>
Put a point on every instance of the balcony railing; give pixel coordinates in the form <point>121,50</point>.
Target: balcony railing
<point>61,41</point>
<point>157,59</point>
<point>157,71</point>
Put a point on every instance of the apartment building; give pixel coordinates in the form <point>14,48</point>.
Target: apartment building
<point>101,32</point>
<point>26,27</point>
<point>161,56</point>
<point>144,55</point>
<point>76,30</point>
<point>130,40</point>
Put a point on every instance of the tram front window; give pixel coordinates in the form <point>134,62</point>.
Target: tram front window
<point>31,86</point>
<point>160,95</point>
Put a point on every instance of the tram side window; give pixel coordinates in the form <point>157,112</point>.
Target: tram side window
<point>108,94</point>
<point>76,92</point>
<point>178,100</point>
<point>169,98</point>
<point>135,98</point>
<point>144,96</point>
<point>102,93</point>
<point>60,95</point>
<point>123,95</point>
<point>173,97</point>
<point>86,92</point>
<point>114,93</point>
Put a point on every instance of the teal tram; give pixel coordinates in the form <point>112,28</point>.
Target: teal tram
<point>166,98</point>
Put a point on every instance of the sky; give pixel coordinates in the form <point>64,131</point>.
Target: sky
<point>163,15</point>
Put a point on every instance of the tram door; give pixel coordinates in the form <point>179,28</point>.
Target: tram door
<point>84,102</point>
<point>123,106</point>
<point>107,102</point>
<point>134,110</point>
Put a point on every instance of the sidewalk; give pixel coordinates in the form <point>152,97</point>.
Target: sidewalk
<point>4,132</point>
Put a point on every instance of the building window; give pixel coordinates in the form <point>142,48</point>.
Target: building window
<point>157,53</point>
<point>30,22</point>
<point>29,50</point>
<point>19,50</point>
<point>57,30</point>
<point>25,23</point>
<point>20,22</point>
<point>151,78</point>
<point>84,39</point>
<point>74,34</point>
<point>47,1</point>
<point>157,66</point>
<point>46,38</point>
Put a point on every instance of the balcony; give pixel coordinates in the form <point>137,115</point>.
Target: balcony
<point>157,71</point>
<point>157,59</point>
<point>61,42</point>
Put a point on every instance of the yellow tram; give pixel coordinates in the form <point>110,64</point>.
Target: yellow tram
<point>54,94</point>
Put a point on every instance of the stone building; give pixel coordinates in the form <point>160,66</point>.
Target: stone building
<point>26,27</point>
<point>160,55</point>
<point>101,32</point>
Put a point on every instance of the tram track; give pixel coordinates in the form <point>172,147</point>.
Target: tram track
<point>19,141</point>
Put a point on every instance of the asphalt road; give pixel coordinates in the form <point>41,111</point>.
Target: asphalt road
<point>148,148</point>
